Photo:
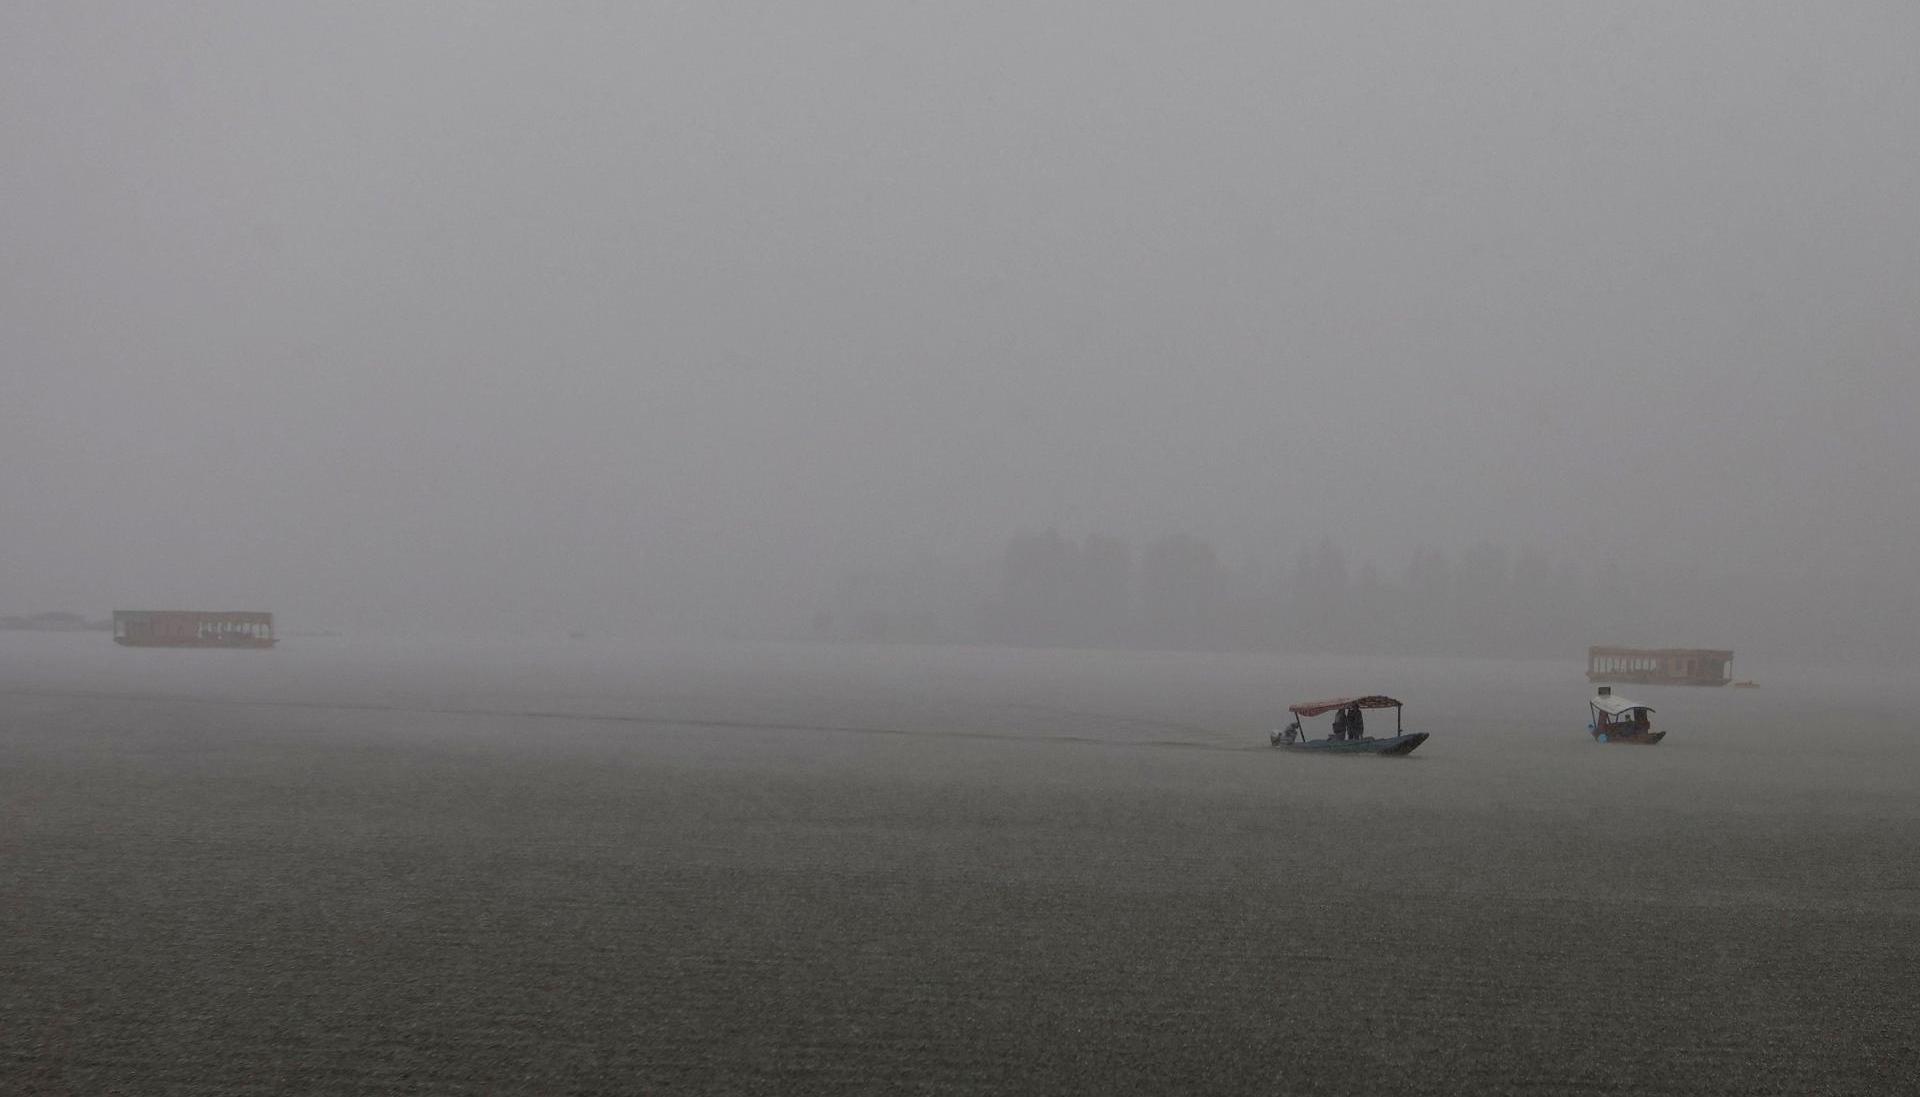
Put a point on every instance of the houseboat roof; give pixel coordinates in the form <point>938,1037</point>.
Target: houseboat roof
<point>1315,708</point>
<point>1704,653</point>
<point>249,615</point>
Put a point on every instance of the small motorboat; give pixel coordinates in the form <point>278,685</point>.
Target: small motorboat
<point>1618,720</point>
<point>1349,734</point>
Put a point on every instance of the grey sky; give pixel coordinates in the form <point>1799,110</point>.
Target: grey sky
<point>589,311</point>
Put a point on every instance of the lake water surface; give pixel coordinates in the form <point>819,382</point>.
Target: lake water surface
<point>354,867</point>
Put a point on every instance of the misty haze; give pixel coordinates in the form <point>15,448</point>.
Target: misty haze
<point>770,548</point>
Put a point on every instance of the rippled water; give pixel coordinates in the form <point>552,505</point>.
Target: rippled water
<point>366,867</point>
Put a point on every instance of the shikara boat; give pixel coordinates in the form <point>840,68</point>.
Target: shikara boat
<point>1618,720</point>
<point>1348,735</point>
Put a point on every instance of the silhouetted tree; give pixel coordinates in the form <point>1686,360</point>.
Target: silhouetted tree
<point>1180,592</point>
<point>1103,590</point>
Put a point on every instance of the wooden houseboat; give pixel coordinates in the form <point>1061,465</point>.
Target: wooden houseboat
<point>1660,666</point>
<point>183,628</point>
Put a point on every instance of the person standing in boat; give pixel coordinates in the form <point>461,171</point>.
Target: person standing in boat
<point>1339,725</point>
<point>1356,726</point>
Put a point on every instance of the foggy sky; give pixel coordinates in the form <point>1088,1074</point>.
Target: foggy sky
<point>470,314</point>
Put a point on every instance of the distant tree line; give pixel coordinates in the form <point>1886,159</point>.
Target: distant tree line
<point>1175,592</point>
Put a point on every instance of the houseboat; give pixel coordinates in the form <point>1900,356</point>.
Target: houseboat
<point>186,628</point>
<point>1660,666</point>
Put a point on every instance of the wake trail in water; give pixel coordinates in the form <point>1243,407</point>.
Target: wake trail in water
<point>683,722</point>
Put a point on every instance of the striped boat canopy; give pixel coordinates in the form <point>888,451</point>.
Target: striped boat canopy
<point>1315,708</point>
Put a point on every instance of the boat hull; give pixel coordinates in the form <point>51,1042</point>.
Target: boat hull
<point>1652,679</point>
<point>249,643</point>
<point>1645,739</point>
<point>1390,746</point>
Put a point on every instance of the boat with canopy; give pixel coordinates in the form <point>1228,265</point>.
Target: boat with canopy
<point>1348,735</point>
<point>1618,720</point>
